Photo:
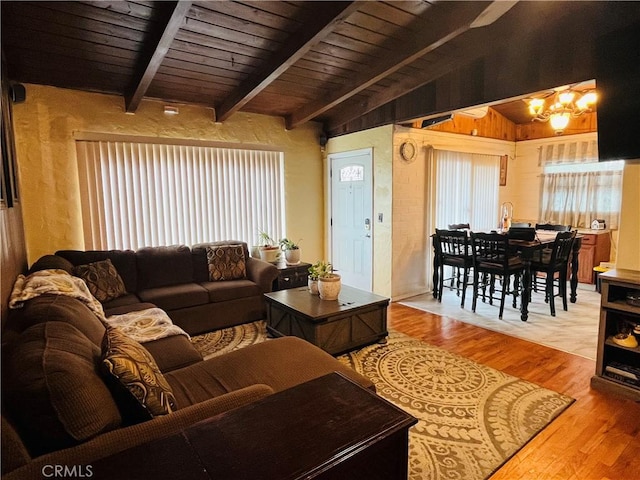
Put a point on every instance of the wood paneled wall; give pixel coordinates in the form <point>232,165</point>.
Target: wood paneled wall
<point>586,123</point>
<point>492,125</point>
<point>495,125</point>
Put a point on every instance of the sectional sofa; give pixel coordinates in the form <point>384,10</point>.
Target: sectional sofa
<point>177,279</point>
<point>65,398</point>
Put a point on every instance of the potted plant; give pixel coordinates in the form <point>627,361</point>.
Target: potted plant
<point>291,251</point>
<point>329,282</point>
<point>314,272</point>
<point>269,251</point>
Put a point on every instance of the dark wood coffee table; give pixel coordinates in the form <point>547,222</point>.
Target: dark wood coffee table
<point>355,319</point>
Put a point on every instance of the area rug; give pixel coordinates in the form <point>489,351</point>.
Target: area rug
<point>472,418</point>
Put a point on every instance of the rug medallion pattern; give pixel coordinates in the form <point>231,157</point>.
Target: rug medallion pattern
<point>472,418</point>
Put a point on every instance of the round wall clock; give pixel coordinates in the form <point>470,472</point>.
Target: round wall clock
<point>409,150</point>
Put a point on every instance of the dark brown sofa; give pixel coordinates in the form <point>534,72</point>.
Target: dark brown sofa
<point>58,408</point>
<point>176,279</point>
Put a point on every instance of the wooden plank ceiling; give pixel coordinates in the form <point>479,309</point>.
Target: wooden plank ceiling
<point>303,60</point>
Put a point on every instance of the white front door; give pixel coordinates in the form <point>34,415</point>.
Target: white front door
<point>352,217</point>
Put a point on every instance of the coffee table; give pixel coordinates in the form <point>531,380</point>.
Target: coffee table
<point>355,319</point>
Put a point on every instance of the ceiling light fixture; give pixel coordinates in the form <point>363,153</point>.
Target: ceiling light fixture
<point>561,106</point>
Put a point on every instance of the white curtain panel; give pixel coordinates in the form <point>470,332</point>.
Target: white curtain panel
<point>466,187</point>
<point>141,194</point>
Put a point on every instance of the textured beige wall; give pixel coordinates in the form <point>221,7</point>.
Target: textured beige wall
<point>629,233</point>
<point>380,139</point>
<point>47,121</point>
<point>412,248</point>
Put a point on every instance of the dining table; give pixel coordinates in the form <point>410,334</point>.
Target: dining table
<point>526,249</point>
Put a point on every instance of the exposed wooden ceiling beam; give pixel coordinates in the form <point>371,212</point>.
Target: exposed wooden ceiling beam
<point>442,26</point>
<point>156,56</point>
<point>475,46</point>
<point>308,35</point>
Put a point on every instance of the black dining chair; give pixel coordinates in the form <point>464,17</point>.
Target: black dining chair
<point>553,227</point>
<point>494,262</point>
<point>554,265</point>
<point>452,248</point>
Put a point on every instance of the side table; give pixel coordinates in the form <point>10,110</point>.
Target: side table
<point>291,276</point>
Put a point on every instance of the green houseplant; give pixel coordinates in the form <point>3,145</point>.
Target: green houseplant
<point>269,250</point>
<point>328,282</point>
<point>291,251</point>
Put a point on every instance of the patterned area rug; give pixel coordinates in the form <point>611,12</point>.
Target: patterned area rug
<point>472,418</point>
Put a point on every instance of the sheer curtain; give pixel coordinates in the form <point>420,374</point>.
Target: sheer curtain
<point>577,198</point>
<point>576,188</point>
<point>143,194</point>
<point>466,189</point>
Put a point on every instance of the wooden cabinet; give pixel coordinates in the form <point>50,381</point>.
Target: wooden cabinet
<point>596,248</point>
<point>618,366</point>
<point>291,276</point>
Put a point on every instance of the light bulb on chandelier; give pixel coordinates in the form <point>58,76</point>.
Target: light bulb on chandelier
<point>563,105</point>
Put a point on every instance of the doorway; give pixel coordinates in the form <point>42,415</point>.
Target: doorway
<point>351,216</point>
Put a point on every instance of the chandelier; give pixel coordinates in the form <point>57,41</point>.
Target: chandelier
<point>561,106</point>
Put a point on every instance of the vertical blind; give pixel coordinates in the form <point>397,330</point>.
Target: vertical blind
<point>466,187</point>
<point>143,194</point>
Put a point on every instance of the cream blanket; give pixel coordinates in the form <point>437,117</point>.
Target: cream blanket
<point>57,282</point>
<point>146,325</point>
<point>142,326</point>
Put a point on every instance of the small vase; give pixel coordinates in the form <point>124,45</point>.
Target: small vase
<point>329,287</point>
<point>292,257</point>
<point>313,286</point>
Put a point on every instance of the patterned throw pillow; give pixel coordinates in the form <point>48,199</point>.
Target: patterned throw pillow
<point>128,362</point>
<point>226,262</point>
<point>103,280</point>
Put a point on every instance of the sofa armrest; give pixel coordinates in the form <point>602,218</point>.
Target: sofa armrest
<point>124,438</point>
<point>261,272</point>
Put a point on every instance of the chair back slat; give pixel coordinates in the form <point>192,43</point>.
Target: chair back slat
<point>452,242</point>
<point>491,248</point>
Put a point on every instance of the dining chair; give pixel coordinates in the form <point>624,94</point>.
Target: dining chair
<point>452,247</point>
<point>553,227</point>
<point>493,261</point>
<point>554,265</point>
<point>520,225</point>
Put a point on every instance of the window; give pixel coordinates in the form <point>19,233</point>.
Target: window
<point>578,193</point>
<point>352,173</point>
<point>144,194</point>
<point>466,188</point>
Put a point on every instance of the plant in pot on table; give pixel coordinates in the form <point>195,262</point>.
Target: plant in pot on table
<point>269,250</point>
<point>291,251</point>
<point>328,282</point>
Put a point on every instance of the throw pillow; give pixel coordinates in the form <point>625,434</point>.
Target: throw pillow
<point>103,280</point>
<point>226,262</point>
<point>135,371</point>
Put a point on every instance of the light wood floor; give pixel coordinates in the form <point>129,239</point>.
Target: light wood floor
<point>596,438</point>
